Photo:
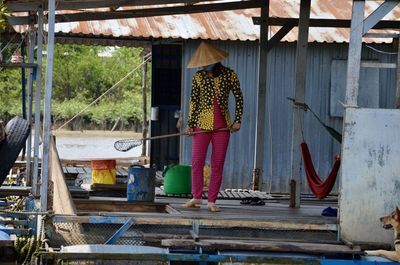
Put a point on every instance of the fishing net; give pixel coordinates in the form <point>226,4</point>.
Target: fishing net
<point>127,144</point>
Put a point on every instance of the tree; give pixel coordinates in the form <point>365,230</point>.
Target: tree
<point>4,14</point>
<point>84,73</point>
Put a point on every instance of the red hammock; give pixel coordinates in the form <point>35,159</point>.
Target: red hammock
<point>320,188</point>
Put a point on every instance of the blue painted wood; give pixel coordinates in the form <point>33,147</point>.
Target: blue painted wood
<point>120,232</point>
<point>368,261</point>
<point>4,236</point>
<point>94,219</point>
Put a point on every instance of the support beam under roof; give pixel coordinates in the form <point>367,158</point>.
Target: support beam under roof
<point>158,11</point>
<point>273,21</point>
<point>378,14</point>
<point>25,6</point>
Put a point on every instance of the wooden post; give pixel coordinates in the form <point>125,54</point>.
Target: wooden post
<point>47,105</point>
<point>31,59</point>
<point>299,95</point>
<point>354,53</point>
<point>38,88</point>
<point>398,75</point>
<point>144,94</point>
<point>261,98</point>
<point>292,198</point>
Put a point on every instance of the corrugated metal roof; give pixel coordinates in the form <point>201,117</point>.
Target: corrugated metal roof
<point>226,25</point>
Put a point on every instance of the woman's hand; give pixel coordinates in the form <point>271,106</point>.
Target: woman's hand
<point>235,127</point>
<point>189,131</point>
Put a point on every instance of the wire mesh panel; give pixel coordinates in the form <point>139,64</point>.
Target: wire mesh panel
<point>70,233</point>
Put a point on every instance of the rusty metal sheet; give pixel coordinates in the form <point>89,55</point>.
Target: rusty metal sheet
<point>226,25</point>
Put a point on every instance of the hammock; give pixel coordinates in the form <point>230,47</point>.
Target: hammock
<point>320,188</point>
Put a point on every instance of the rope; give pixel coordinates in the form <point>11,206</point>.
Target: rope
<point>376,50</point>
<point>105,93</point>
<point>8,43</point>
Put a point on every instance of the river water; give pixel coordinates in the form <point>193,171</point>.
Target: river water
<point>91,148</point>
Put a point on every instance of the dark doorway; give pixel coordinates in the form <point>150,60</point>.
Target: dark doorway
<point>166,101</point>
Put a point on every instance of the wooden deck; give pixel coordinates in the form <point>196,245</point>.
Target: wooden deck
<point>271,227</point>
<point>240,223</point>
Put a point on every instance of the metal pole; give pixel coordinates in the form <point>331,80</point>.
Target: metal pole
<point>299,95</point>
<point>36,139</point>
<point>23,84</point>
<point>30,92</point>
<point>144,93</point>
<point>47,106</point>
<point>261,98</point>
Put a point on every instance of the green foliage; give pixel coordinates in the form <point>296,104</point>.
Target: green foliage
<point>10,91</point>
<point>82,74</point>
<point>4,14</point>
<point>79,71</point>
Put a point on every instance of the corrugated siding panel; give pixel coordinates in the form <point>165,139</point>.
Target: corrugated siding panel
<point>281,67</point>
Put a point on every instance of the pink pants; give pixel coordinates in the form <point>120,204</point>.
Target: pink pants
<point>200,142</point>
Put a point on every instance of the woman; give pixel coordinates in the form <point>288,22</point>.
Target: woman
<point>209,112</point>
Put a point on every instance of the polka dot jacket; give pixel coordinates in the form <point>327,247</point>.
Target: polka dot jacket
<point>204,88</point>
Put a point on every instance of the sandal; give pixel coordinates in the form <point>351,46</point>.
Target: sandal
<point>192,203</point>
<point>213,208</point>
<point>257,202</point>
<point>247,200</point>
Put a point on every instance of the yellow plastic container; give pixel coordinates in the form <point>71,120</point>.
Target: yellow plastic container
<point>103,172</point>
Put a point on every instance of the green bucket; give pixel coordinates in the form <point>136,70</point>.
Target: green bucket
<point>177,179</point>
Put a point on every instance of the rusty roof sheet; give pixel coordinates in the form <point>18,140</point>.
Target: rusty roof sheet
<point>226,25</point>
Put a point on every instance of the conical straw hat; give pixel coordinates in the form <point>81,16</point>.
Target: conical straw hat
<point>206,55</point>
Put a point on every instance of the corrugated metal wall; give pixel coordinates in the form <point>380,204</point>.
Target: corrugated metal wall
<point>281,66</point>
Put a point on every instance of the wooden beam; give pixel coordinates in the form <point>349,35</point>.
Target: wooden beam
<point>47,106</point>
<point>378,14</point>
<point>18,65</point>
<point>38,92</point>
<point>378,65</point>
<point>299,96</point>
<point>280,35</point>
<point>160,11</point>
<point>65,38</point>
<point>259,245</point>
<point>6,191</point>
<point>145,124</point>
<point>261,99</point>
<point>118,206</point>
<point>31,58</point>
<point>397,100</point>
<point>59,197</point>
<point>327,23</point>
<point>6,243</point>
<point>168,219</point>
<point>381,35</point>
<point>273,21</point>
<point>24,6</point>
<point>354,53</point>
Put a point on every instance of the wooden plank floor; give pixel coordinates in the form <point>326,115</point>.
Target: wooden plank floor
<point>272,215</point>
<point>275,211</point>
